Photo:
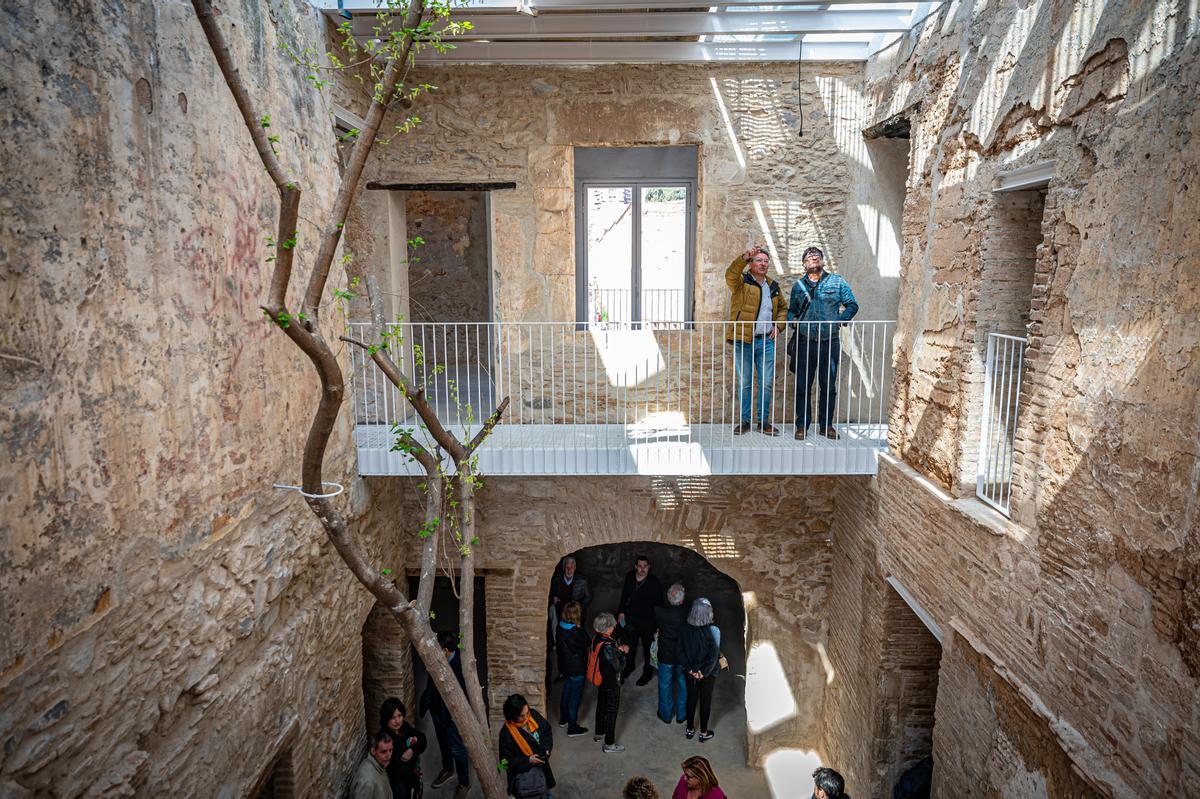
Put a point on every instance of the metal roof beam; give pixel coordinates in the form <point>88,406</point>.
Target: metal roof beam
<point>670,23</point>
<point>584,52</point>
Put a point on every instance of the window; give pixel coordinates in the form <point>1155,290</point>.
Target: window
<point>635,234</point>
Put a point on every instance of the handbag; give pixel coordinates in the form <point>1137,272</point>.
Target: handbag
<point>530,784</point>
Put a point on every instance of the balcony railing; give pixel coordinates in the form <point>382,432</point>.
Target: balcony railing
<point>625,399</point>
<point>1001,406</point>
<point>655,307</point>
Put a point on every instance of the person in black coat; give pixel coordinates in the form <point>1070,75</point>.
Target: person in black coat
<point>699,654</point>
<point>404,769</point>
<point>641,594</point>
<point>572,649</point>
<point>450,742</point>
<point>672,679</point>
<point>526,742</point>
<point>611,663</point>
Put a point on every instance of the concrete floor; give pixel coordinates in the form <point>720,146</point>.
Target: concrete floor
<point>652,748</point>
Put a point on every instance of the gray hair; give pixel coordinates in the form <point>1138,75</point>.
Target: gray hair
<point>568,559</point>
<point>604,622</point>
<point>701,613</point>
<point>675,594</point>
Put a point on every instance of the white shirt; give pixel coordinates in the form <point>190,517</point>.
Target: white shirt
<point>763,325</point>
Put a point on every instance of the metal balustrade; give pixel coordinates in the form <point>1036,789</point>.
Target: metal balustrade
<point>1001,407</point>
<point>656,307</point>
<point>609,398</point>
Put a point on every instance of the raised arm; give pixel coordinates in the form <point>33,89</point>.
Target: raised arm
<point>733,275</point>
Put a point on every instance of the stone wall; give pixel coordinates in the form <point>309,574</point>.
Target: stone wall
<point>1079,611</point>
<point>168,621</point>
<point>520,124</point>
<point>772,538</point>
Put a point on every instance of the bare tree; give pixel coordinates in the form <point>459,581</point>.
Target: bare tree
<point>450,494</point>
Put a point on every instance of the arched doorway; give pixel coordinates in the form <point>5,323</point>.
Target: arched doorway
<point>654,748</point>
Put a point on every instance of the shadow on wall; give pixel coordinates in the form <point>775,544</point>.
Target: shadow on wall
<point>1099,529</point>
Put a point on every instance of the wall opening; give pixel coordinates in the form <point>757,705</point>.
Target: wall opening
<point>444,610</point>
<point>449,280</point>
<point>907,695</point>
<point>606,565</point>
<point>1008,258</point>
<point>387,663</point>
<point>448,274</point>
<point>655,747</point>
<point>1010,247</point>
<point>279,779</point>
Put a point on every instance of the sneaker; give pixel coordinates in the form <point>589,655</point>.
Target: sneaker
<point>575,732</point>
<point>461,791</point>
<point>562,723</point>
<point>706,735</point>
<point>830,432</point>
<point>611,748</point>
<point>741,429</point>
<point>442,778</point>
<point>646,677</point>
<point>597,738</point>
<point>768,430</point>
<point>689,733</point>
<point>800,431</point>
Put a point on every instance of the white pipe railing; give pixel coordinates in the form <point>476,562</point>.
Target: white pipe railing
<point>657,384</point>
<point>655,306</point>
<point>997,433</point>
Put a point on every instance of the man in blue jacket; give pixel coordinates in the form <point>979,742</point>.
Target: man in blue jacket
<point>820,301</point>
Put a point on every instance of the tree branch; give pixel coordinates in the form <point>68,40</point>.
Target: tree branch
<point>289,192</point>
<point>358,159</point>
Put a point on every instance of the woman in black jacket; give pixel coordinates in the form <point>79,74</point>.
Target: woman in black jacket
<point>404,769</point>
<point>699,654</point>
<point>572,645</point>
<point>611,662</point>
<point>526,741</point>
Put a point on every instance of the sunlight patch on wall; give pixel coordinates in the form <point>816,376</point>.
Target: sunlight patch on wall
<point>789,772</point>
<point>769,699</point>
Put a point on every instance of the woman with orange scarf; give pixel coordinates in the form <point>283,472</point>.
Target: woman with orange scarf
<point>525,743</point>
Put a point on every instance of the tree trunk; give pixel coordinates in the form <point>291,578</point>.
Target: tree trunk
<point>304,331</point>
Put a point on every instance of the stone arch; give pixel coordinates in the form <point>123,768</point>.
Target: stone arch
<point>770,536</point>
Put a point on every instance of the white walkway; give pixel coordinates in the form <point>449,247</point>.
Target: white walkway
<point>613,449</point>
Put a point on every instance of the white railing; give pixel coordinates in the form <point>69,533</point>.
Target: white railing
<point>573,387</point>
<point>655,306</point>
<point>997,433</point>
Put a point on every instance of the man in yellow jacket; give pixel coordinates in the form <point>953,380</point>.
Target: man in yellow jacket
<point>757,310</point>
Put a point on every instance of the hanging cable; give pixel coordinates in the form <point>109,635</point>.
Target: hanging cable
<point>799,91</point>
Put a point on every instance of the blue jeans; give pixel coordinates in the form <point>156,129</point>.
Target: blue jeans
<point>568,705</point>
<point>749,357</point>
<point>671,678</point>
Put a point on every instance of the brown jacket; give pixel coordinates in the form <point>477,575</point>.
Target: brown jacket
<point>745,296</point>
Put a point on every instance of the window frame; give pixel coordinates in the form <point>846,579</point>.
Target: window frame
<point>636,168</point>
